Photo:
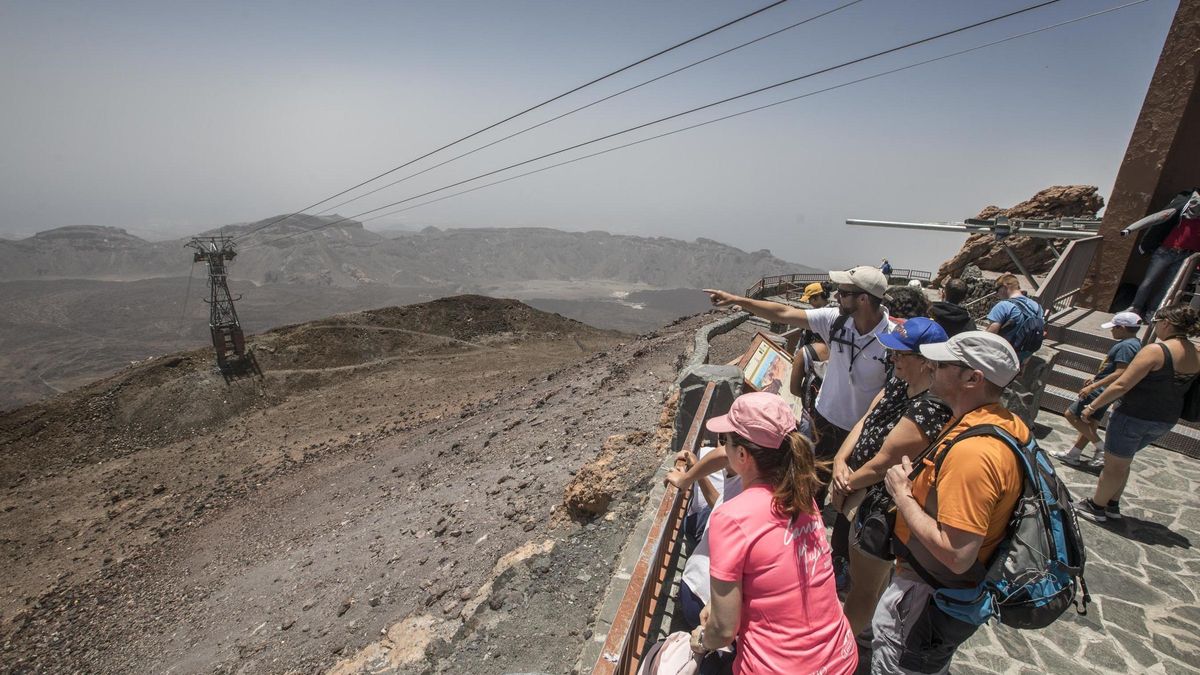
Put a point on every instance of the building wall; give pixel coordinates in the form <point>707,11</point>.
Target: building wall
<point>1163,158</point>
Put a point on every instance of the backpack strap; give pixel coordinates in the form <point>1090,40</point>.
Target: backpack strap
<point>839,324</point>
<point>990,430</point>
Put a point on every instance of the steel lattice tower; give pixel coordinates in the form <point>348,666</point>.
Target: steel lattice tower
<point>228,339</point>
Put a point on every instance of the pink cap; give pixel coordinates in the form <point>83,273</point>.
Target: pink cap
<point>760,417</point>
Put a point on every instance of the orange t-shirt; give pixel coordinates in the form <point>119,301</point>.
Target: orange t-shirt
<point>980,480</point>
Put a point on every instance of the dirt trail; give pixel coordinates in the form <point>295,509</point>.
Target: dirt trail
<point>363,505</point>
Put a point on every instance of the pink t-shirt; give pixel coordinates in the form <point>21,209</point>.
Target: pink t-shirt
<point>791,619</point>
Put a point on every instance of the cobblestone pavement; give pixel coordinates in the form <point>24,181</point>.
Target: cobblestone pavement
<point>1143,574</point>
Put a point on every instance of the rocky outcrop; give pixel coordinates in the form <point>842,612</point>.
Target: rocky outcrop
<point>983,251</point>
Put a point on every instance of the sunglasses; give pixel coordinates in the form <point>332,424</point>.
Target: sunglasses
<point>956,364</point>
<point>722,439</point>
<point>894,353</point>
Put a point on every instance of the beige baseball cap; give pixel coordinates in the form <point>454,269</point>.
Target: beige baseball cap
<point>982,351</point>
<point>868,278</point>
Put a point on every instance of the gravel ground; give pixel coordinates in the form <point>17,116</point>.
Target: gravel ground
<point>404,515</point>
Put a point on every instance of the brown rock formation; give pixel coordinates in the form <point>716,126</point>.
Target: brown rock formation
<point>983,250</point>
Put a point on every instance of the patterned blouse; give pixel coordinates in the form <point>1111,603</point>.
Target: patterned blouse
<point>927,411</point>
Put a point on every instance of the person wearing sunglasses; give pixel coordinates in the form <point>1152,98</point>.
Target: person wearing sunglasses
<point>771,579</point>
<point>903,419</point>
<point>856,368</point>
<point>949,520</point>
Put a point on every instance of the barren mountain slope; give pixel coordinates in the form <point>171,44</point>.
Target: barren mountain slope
<point>58,335</point>
<point>390,465</point>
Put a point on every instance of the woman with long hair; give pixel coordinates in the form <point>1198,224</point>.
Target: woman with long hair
<point>1150,392</point>
<point>771,578</point>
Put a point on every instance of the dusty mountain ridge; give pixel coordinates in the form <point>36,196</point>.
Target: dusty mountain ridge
<point>177,395</point>
<point>348,255</point>
<point>82,301</point>
<point>397,465</point>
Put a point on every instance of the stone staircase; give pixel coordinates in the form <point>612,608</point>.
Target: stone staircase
<point>1081,345</point>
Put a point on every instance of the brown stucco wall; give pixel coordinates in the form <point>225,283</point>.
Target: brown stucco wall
<point>1163,157</point>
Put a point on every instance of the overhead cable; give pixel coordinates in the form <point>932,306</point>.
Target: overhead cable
<point>763,107</point>
<point>516,115</point>
<point>593,103</point>
<point>752,92</point>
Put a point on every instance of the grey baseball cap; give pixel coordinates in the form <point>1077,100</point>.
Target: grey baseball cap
<point>983,351</point>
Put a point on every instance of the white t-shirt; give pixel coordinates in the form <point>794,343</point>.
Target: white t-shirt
<point>695,571</point>
<point>855,374</point>
<point>698,503</point>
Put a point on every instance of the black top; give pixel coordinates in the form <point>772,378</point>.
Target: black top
<point>1158,397</point>
<point>927,411</point>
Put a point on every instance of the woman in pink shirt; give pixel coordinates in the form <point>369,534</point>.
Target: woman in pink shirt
<point>772,578</point>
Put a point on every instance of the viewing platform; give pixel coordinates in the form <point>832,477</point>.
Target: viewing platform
<point>1143,571</point>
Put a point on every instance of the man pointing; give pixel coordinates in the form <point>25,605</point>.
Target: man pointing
<point>857,364</point>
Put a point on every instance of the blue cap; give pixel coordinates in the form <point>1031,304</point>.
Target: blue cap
<point>910,335</point>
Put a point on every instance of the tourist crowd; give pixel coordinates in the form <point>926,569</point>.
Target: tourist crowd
<point>901,380</point>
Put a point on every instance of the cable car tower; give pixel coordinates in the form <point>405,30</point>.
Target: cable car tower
<point>227,337</point>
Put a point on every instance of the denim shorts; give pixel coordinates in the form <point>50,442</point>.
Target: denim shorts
<point>1126,435</point>
<point>1076,408</point>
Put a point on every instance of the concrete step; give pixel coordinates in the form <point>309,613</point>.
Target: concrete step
<point>1184,438</point>
<point>1080,358</point>
<point>1068,378</point>
<point>1081,328</point>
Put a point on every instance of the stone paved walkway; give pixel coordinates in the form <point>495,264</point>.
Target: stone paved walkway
<point>1143,574</point>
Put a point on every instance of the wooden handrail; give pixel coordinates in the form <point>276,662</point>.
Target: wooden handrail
<point>626,639</point>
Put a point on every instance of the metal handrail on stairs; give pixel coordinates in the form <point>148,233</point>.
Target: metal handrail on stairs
<point>1178,291</point>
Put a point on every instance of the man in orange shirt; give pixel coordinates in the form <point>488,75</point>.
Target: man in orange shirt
<point>955,512</point>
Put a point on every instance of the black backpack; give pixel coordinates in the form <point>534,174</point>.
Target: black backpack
<point>1028,332</point>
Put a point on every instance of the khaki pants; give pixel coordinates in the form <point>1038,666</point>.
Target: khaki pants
<point>868,575</point>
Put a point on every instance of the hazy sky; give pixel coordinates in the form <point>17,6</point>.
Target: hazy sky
<point>169,117</point>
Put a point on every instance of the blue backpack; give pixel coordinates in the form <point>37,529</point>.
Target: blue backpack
<point>1027,333</point>
<point>1037,569</point>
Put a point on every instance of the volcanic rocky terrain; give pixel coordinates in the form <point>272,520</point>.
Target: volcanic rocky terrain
<point>77,303</point>
<point>386,495</point>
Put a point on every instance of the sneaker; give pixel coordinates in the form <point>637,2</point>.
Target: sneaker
<point>1097,461</point>
<point>1088,509</point>
<point>1113,510</point>
<point>841,573</point>
<point>1070,457</point>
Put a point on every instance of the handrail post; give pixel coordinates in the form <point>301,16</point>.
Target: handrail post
<point>1174,291</point>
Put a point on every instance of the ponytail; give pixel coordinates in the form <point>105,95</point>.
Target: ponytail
<point>792,470</point>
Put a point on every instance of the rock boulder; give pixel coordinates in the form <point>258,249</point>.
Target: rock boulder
<point>982,250</point>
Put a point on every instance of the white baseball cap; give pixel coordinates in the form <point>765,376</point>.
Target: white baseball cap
<point>868,278</point>
<point>982,351</point>
<point>1124,320</point>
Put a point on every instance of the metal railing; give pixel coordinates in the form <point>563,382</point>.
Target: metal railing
<point>787,284</point>
<point>784,283</point>
<point>1181,290</point>
<point>649,583</point>
<point>1056,293</point>
<point>910,275</point>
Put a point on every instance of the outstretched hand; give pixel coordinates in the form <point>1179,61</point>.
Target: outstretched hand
<point>720,298</point>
